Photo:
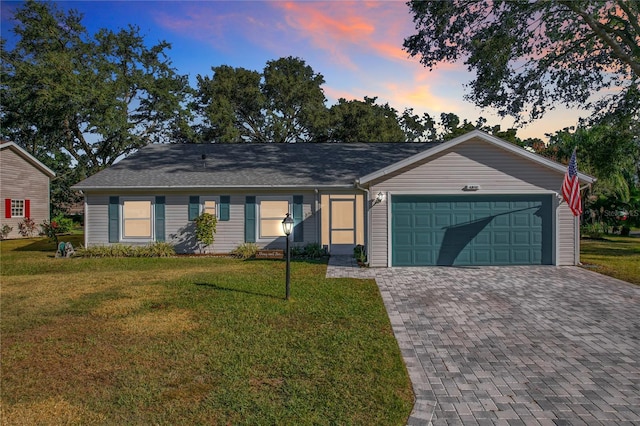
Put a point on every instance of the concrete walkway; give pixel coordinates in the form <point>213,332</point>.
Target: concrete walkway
<point>513,345</point>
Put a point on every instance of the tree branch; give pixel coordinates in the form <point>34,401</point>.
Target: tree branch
<point>617,50</point>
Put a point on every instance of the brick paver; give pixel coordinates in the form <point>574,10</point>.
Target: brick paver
<point>514,345</point>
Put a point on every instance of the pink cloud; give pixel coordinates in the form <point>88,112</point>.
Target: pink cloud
<point>202,23</point>
<point>347,29</point>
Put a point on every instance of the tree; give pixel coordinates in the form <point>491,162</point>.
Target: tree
<point>418,128</point>
<point>283,104</point>
<point>364,121</point>
<point>528,56</point>
<point>78,102</point>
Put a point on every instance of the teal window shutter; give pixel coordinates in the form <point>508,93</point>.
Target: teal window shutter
<point>114,219</point>
<point>194,207</point>
<point>250,220</point>
<point>298,232</point>
<point>159,225</point>
<point>225,200</point>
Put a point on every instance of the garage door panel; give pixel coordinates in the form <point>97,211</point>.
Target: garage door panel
<point>520,238</point>
<point>482,257</point>
<point>500,237</point>
<point>422,220</point>
<point>501,221</point>
<point>520,220</point>
<point>441,220</point>
<point>501,257</point>
<point>483,239</point>
<point>423,239</point>
<point>471,230</point>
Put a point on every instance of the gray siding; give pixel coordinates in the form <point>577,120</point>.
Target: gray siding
<point>474,162</point>
<point>179,230</point>
<point>568,242</point>
<point>20,180</point>
<point>96,226</point>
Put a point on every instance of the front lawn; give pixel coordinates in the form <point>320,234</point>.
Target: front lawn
<point>192,341</point>
<point>613,255</point>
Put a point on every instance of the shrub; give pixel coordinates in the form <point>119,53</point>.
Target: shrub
<point>359,253</point>
<point>64,224</point>
<point>5,231</point>
<point>205,228</point>
<point>245,250</point>
<point>297,251</point>
<point>158,249</point>
<point>27,227</point>
<point>50,230</point>
<point>314,251</point>
<point>591,230</point>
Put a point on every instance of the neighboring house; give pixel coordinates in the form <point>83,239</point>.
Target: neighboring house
<point>24,187</point>
<point>474,200</point>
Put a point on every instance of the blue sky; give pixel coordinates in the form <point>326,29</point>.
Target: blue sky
<point>355,45</point>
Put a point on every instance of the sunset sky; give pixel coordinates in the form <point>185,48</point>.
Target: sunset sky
<point>356,46</point>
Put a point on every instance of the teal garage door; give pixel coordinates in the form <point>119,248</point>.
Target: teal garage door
<point>471,230</point>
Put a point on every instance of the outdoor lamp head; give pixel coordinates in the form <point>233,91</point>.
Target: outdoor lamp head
<point>287,225</point>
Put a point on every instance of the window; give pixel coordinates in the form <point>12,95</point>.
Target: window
<point>209,206</point>
<point>17,208</point>
<point>136,219</point>
<point>271,214</point>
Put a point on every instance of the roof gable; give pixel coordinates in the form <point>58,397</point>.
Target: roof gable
<point>475,134</point>
<point>27,157</point>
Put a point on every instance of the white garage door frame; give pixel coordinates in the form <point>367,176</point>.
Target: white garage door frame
<point>555,214</point>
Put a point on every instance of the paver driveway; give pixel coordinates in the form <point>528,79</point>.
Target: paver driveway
<point>514,345</point>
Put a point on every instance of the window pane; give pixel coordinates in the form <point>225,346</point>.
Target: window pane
<point>210,207</point>
<point>136,219</point>
<point>342,214</point>
<point>274,209</point>
<point>271,228</point>
<point>17,208</point>
<point>137,210</point>
<point>137,228</point>
<point>342,237</point>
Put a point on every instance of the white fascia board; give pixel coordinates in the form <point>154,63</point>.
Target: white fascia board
<point>464,138</point>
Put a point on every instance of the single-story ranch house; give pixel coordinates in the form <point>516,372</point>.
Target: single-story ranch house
<point>474,200</point>
<point>24,188</point>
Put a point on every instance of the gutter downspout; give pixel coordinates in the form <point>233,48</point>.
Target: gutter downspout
<point>367,222</point>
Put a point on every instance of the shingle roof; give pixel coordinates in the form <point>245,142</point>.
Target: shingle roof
<point>250,165</point>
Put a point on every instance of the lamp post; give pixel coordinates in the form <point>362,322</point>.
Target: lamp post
<point>287,227</point>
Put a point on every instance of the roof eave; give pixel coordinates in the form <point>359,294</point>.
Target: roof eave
<point>207,187</point>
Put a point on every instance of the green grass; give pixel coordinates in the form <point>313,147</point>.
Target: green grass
<point>615,256</point>
<point>192,341</point>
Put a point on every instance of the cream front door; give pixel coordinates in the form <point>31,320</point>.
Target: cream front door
<point>342,222</point>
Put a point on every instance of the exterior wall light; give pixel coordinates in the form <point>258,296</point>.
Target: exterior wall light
<point>379,198</point>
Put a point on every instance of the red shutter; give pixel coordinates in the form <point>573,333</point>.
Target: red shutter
<point>7,208</point>
<point>27,208</point>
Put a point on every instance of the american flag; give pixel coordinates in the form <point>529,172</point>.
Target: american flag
<point>571,186</point>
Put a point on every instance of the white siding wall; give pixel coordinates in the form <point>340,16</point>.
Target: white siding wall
<point>180,232</point>
<point>20,180</point>
<point>474,162</point>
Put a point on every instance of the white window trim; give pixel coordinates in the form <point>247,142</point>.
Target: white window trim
<point>152,219</point>
<point>23,207</point>
<point>259,199</point>
<point>215,198</point>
